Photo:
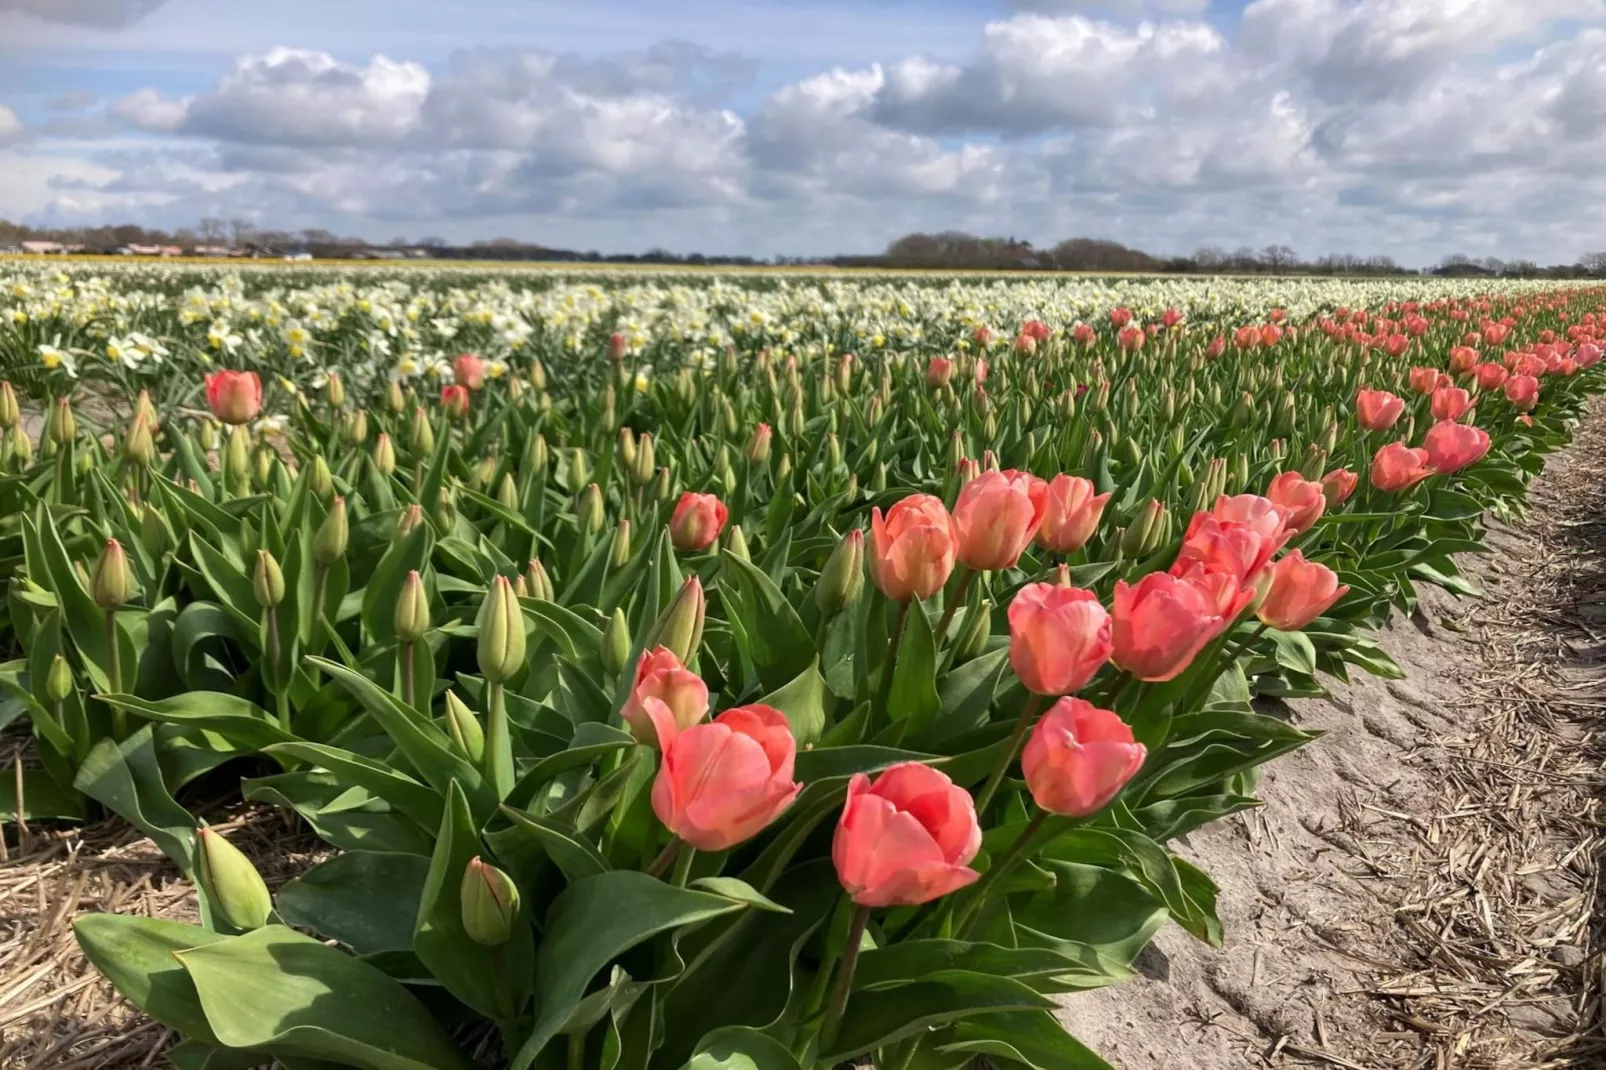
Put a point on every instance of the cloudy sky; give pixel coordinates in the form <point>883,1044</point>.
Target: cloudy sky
<point>1409,127</point>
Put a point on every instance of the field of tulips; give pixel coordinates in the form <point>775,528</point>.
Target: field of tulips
<point>761,672</point>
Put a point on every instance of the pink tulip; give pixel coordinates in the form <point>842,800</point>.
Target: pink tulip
<point>1339,484</point>
<point>1451,446</point>
<point>1397,466</point>
<point>468,370</point>
<point>1378,410</point>
<point>661,676</point>
<point>1300,592</point>
<point>1079,757</point>
<point>996,517</point>
<point>1303,498</point>
<point>1425,380</point>
<point>1450,403</point>
<point>1058,637</point>
<point>722,783</point>
<point>939,371</point>
<point>906,838</point>
<point>1491,376</point>
<point>912,550</point>
<point>454,399</point>
<point>1462,358</point>
<point>1523,391</point>
<point>1071,513</point>
<point>697,521</point>
<point>1159,624</point>
<point>234,397</point>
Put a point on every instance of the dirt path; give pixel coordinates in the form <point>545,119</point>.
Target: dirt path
<point>1418,890</point>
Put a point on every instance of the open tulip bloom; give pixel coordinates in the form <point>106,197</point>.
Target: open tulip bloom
<point>681,674</point>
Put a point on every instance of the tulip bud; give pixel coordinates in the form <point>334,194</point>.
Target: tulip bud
<point>262,462</point>
<point>319,479</point>
<point>758,445</point>
<point>627,448</point>
<point>1148,531</point>
<point>412,609</point>
<point>490,904</point>
<point>63,426</point>
<point>1314,464</point>
<point>464,728</point>
<point>356,430</point>
<point>329,543</point>
<point>537,375</point>
<point>58,681</point>
<point>535,454</point>
<point>18,445</point>
<point>268,581</point>
<point>579,471</point>
<point>395,400</point>
<point>10,411</point>
<point>590,510</point>
<point>507,492</point>
<point>384,455</point>
<point>138,446</point>
<point>646,461</point>
<point>501,626</point>
<point>663,485</point>
<point>482,473</point>
<point>842,578</point>
<point>111,581</point>
<point>736,543</point>
<point>445,510</point>
<point>421,436</point>
<point>335,390</point>
<point>972,637</point>
<point>616,644</point>
<point>411,517</point>
<point>620,552</point>
<point>540,582</point>
<point>679,629</point>
<point>232,883</point>
<point>521,587</point>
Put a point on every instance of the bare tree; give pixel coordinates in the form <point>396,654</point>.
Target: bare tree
<point>211,229</point>
<point>1279,258</point>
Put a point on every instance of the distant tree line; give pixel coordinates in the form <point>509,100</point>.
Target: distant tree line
<point>949,250</point>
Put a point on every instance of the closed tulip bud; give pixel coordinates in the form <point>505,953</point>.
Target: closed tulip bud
<point>490,903</point>
<point>232,883</point>
<point>335,390</point>
<point>267,582</point>
<point>1059,637</point>
<point>620,552</point>
<point>138,446</point>
<point>616,644</point>
<point>607,417</point>
<point>411,517</point>
<point>18,445</point>
<point>540,582</point>
<point>579,471</point>
<point>329,542</point>
<point>627,448</point>
<point>384,455</point>
<point>10,411</point>
<point>646,461</point>
<point>535,454</point>
<point>538,375</point>
<point>1079,757</point>
<point>501,626</point>
<point>356,430</point>
<point>412,609</point>
<point>520,587</point>
<point>63,425</point>
<point>905,838</point>
<point>111,581</point>
<point>783,470</point>
<point>464,728</point>
<point>1147,531</point>
<point>697,521</point>
<point>1240,472</point>
<point>736,543</point>
<point>153,533</point>
<point>395,400</point>
<point>484,470</point>
<point>589,509</point>
<point>758,445</point>
<point>421,434</point>
<point>663,485</point>
<point>263,462</point>
<point>58,681</point>
<point>507,492</point>
<point>1277,447</point>
<point>1243,411</point>
<point>679,629</point>
<point>319,479</point>
<point>842,578</point>
<point>1314,463</point>
<point>973,634</point>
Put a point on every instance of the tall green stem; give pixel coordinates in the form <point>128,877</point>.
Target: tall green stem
<point>1028,717</point>
<point>407,673</point>
<point>114,674</point>
<point>996,872</point>
<point>953,603</point>
<point>498,746</point>
<point>889,669</point>
<point>844,978</point>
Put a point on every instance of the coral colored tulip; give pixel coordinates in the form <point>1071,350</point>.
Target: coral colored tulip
<point>1397,466</point>
<point>1025,345</point>
<point>1120,317</point>
<point>1071,513</point>
<point>905,838</point>
<point>1079,757</point>
<point>1424,380</point>
<point>722,783</point>
<point>234,397</point>
<point>1303,498</point>
<point>1131,338</point>
<point>1270,335</point>
<point>1159,624</point>
<point>939,371</point>
<point>468,370</point>
<point>1450,403</point>
<point>1171,317</point>
<point>1300,592</point>
<point>1589,355</point>
<point>1451,446</point>
<point>1378,410</point>
<point>979,372</point>
<point>1491,376</point>
<point>1036,330</point>
<point>1462,358</point>
<point>1523,391</point>
<point>997,516</point>
<point>1233,549</point>
<point>912,550</point>
<point>1083,334</point>
<point>697,521</point>
<point>1058,637</point>
<point>661,676</point>
<point>454,399</point>
<point>1339,484</point>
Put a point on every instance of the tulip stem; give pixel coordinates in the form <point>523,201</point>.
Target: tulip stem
<point>995,873</point>
<point>114,676</point>
<point>577,1051</point>
<point>498,746</point>
<point>666,856</point>
<point>888,669</point>
<point>953,603</point>
<point>407,673</point>
<point>1028,717</point>
<point>683,862</point>
<point>844,978</point>
<point>1202,688</point>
